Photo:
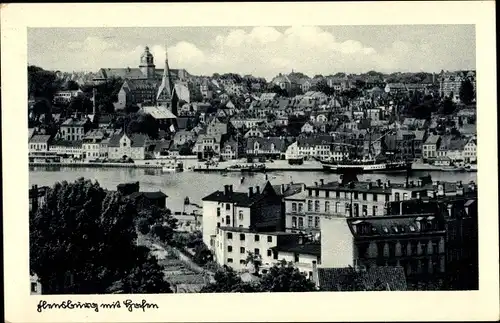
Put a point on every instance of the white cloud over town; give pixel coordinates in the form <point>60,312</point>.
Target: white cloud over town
<point>262,51</point>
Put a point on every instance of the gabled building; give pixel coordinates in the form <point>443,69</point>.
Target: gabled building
<point>122,146</point>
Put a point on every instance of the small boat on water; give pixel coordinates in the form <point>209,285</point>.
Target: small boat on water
<point>366,166</point>
<point>452,168</point>
<point>254,168</point>
<point>471,167</point>
<point>172,167</point>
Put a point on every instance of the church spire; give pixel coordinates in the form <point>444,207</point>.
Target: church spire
<point>165,91</point>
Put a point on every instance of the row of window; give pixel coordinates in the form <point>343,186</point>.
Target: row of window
<point>355,195</point>
<point>242,237</point>
<point>73,130</point>
<point>407,248</point>
<point>301,222</point>
<point>327,208</point>
<point>256,251</point>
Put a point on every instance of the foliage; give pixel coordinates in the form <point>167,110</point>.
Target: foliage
<point>466,93</point>
<point>71,86</point>
<point>143,226</point>
<point>185,149</point>
<point>131,108</point>
<point>106,93</point>
<point>284,277</point>
<point>448,106</point>
<point>202,254</point>
<point>254,260</point>
<point>276,89</point>
<point>228,281</point>
<point>138,123</point>
<point>160,220</point>
<point>42,83</point>
<point>80,104</point>
<point>83,241</point>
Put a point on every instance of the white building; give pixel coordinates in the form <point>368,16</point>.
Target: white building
<point>38,143</point>
<point>73,149</point>
<point>470,153</point>
<point>121,145</point>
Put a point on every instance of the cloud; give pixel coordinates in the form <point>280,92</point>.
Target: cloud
<point>261,51</point>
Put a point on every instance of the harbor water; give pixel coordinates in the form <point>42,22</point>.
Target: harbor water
<point>197,185</point>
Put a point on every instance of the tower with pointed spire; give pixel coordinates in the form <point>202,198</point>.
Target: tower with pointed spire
<point>147,65</point>
<point>166,96</point>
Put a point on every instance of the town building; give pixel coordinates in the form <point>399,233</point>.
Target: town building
<point>39,143</point>
<point>269,147</point>
<point>91,144</point>
<point>430,147</point>
<point>72,129</point>
<point>35,285</point>
<point>67,149</point>
<point>207,146</point>
<point>122,146</point>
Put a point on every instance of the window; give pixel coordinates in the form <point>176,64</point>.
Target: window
<point>309,205</point>
<point>269,239</point>
<point>355,195</point>
<point>316,192</point>
<point>316,206</point>
<point>242,249</point>
<point>348,209</point>
<point>310,221</point>
<point>256,251</point>
<point>218,224</point>
<point>229,235</point>
<point>228,220</point>
<point>309,191</point>
<point>230,260</point>
<point>387,198</point>
<point>242,237</point>
<point>356,209</point>
<point>243,262</point>
<point>229,249</point>
<point>257,238</point>
<point>294,207</point>
<point>296,257</point>
<point>316,222</point>
<point>228,206</point>
<point>364,196</point>
<point>375,198</point>
<point>337,194</point>
<point>269,252</point>
<point>301,207</point>
<point>294,221</point>
<point>327,206</point>
<point>405,196</point>
<point>396,197</point>
<point>301,222</point>
<point>374,210</point>
<point>218,211</point>
<point>327,194</point>
<point>34,288</point>
<point>365,210</point>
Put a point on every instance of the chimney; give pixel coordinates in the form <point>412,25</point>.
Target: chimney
<point>379,182</point>
<point>388,183</point>
<point>369,186</point>
<point>419,183</point>
<point>315,277</point>
<point>250,191</point>
<point>257,189</point>
<point>226,190</point>
<point>282,188</point>
<point>322,181</point>
<point>230,188</point>
<point>315,183</point>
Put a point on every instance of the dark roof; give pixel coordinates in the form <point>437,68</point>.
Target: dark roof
<point>39,138</point>
<point>148,195</point>
<point>239,198</point>
<point>138,84</point>
<point>391,225</point>
<point>306,248</point>
<point>265,143</point>
<point>289,189</point>
<point>383,278</point>
<point>138,140</point>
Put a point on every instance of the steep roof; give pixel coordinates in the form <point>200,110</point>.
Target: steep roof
<point>265,143</point>
<point>39,139</point>
<point>158,112</point>
<point>340,279</point>
<point>141,84</point>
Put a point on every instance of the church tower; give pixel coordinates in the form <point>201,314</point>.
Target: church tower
<point>166,93</point>
<point>147,65</point>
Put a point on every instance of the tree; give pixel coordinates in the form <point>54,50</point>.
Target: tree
<point>284,277</point>
<point>143,226</point>
<point>42,83</point>
<point>72,86</point>
<point>83,241</point>
<point>466,92</point>
<point>202,254</point>
<point>254,260</point>
<point>80,104</point>
<point>448,106</point>
<point>228,281</point>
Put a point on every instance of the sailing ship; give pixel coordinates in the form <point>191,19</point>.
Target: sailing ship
<point>367,164</point>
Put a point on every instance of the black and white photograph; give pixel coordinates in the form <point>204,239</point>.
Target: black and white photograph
<point>254,158</point>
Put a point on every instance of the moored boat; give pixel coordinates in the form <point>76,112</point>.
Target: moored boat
<point>367,166</point>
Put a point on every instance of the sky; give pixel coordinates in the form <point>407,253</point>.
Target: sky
<point>262,51</point>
